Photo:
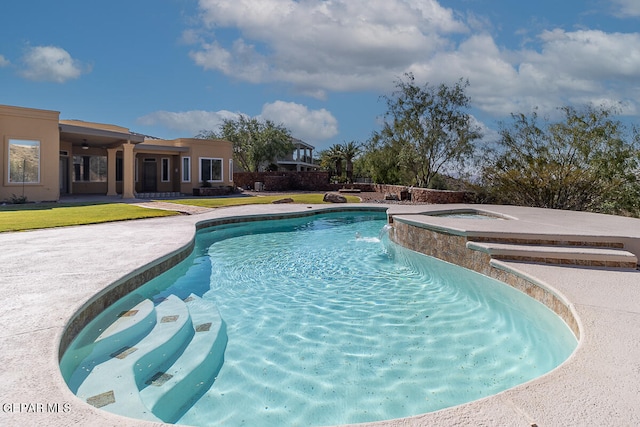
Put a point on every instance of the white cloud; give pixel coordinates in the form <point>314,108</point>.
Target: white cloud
<point>305,124</point>
<point>591,54</point>
<point>627,8</point>
<point>584,66</point>
<point>4,62</point>
<point>51,63</point>
<point>241,61</point>
<point>190,122</point>
<point>492,76</point>
<point>308,125</point>
<point>322,45</point>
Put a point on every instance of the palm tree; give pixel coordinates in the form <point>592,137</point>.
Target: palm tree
<point>349,151</point>
<point>334,158</point>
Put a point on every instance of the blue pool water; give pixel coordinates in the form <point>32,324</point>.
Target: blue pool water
<point>330,323</point>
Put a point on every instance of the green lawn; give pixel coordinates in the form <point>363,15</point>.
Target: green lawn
<point>219,202</point>
<point>32,216</point>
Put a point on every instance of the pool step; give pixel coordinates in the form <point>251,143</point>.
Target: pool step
<point>558,240</point>
<point>154,361</point>
<point>127,327</point>
<point>130,325</point>
<point>170,392</point>
<point>604,255</point>
<point>114,384</point>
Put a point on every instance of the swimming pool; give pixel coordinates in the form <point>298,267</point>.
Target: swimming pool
<point>327,324</point>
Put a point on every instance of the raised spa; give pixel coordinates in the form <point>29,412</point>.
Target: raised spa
<point>310,321</point>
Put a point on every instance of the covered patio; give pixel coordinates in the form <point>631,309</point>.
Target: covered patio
<point>97,159</point>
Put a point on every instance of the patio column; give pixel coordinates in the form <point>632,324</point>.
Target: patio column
<point>111,171</point>
<point>128,168</point>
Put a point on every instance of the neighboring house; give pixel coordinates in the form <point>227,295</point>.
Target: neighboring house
<point>300,160</point>
<point>43,158</point>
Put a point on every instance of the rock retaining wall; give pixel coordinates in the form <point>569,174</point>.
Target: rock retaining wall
<point>283,181</point>
<point>319,181</point>
<point>423,195</point>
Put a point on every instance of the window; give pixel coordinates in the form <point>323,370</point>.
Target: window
<point>90,168</point>
<point>165,168</point>
<point>230,170</point>
<point>210,169</point>
<point>186,169</point>
<point>24,161</point>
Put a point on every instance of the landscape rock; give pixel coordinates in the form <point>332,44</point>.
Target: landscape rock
<point>334,198</point>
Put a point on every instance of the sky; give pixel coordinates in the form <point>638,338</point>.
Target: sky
<point>321,68</point>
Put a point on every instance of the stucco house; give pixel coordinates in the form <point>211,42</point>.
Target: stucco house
<point>44,158</point>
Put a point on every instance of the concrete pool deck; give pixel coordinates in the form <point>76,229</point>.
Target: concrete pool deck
<point>47,276</point>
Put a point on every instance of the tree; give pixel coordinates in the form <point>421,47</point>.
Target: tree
<point>349,151</point>
<point>381,164</point>
<point>428,128</point>
<point>331,159</point>
<point>255,142</point>
<point>584,162</point>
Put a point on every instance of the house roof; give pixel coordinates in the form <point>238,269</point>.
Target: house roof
<point>300,143</point>
<point>96,134</point>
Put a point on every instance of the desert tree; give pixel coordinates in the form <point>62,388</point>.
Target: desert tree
<point>587,160</point>
<point>429,128</point>
<point>255,142</point>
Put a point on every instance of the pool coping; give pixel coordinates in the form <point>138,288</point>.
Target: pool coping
<point>47,276</point>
